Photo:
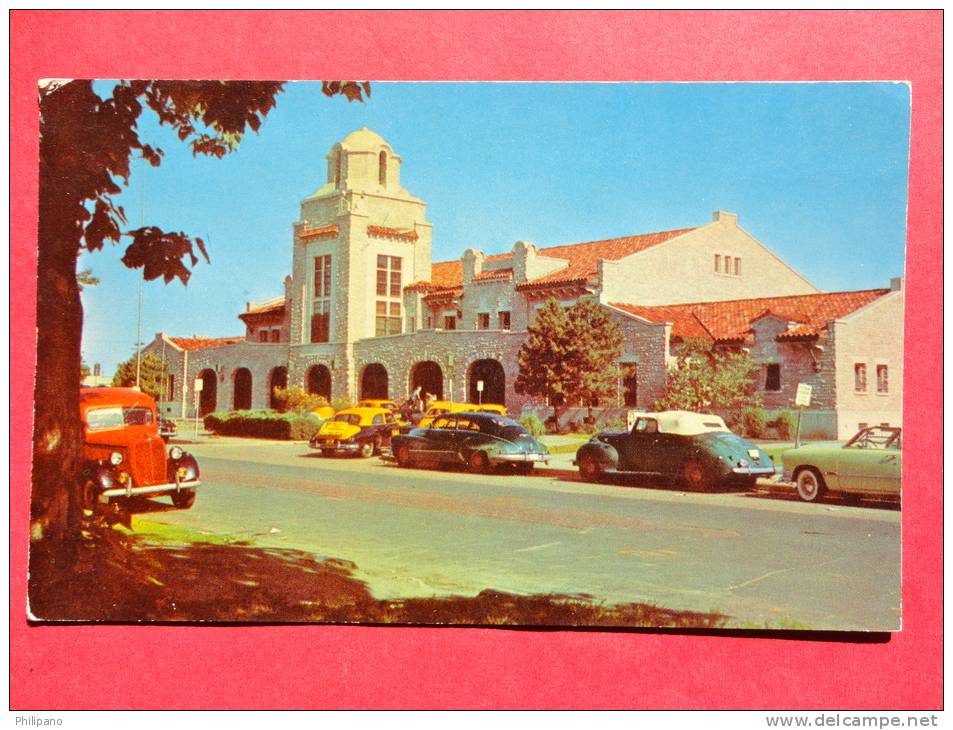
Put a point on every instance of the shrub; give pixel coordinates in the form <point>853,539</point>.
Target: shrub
<point>786,425</point>
<point>754,422</point>
<point>615,424</point>
<point>296,400</point>
<point>340,403</point>
<point>533,425</point>
<point>263,424</point>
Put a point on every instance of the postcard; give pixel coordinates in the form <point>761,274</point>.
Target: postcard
<point>482,354</point>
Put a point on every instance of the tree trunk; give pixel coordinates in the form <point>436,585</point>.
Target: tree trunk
<point>56,507</point>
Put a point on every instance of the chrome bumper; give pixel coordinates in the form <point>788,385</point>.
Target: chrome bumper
<point>521,458</point>
<point>334,446</point>
<point>130,490</point>
<point>756,471</point>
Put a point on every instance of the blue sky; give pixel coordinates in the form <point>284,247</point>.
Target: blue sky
<point>817,172</point>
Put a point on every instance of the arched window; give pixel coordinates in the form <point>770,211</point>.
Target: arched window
<point>382,168</point>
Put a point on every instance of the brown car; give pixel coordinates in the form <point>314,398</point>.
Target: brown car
<point>124,453</point>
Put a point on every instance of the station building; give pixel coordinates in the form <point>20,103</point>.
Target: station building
<point>366,313</point>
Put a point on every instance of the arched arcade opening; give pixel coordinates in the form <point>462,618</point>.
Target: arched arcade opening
<point>490,374</point>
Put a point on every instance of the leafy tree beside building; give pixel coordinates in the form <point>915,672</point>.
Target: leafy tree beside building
<point>153,376</point>
<point>569,356</point>
<point>706,378</point>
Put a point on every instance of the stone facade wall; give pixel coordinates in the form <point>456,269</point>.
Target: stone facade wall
<point>491,297</point>
<point>682,270</point>
<point>872,335</point>
<point>800,362</point>
<point>647,346</point>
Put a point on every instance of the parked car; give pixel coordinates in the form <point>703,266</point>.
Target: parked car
<point>696,450</point>
<point>167,429</point>
<point>124,453</point>
<point>376,403</point>
<point>870,463</point>
<point>362,431</point>
<point>443,407</point>
<point>478,440</point>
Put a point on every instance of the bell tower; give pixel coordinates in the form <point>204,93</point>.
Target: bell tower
<point>360,239</point>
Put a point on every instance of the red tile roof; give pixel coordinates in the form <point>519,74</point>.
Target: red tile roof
<point>398,233</point>
<point>202,343</point>
<point>732,319</point>
<point>265,310</point>
<point>582,257</point>
<point>320,232</point>
<point>494,274</point>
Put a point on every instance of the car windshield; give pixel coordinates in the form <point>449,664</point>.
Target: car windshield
<point>117,417</point>
<point>879,437</point>
<point>351,418</point>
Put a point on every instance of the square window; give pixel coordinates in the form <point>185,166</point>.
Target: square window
<point>276,335</point>
<point>263,336</point>
<point>504,320</point>
<point>483,321</point>
<point>382,262</point>
<point>450,323</point>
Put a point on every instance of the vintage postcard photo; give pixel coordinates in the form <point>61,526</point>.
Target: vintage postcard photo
<point>492,354</point>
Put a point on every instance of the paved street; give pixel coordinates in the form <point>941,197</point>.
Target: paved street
<point>764,559</point>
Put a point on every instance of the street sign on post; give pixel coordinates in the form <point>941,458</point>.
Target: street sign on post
<point>480,391</point>
<point>199,383</point>
<point>802,399</point>
<point>803,396</point>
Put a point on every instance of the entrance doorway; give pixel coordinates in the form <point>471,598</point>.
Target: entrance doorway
<point>429,377</point>
<point>491,374</point>
<point>374,382</point>
<point>242,399</point>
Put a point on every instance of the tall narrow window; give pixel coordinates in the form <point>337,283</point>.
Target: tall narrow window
<point>321,302</point>
<point>772,377</point>
<point>860,377</point>
<point>382,168</point>
<point>483,321</point>
<point>388,287</point>
<point>737,266</point>
<point>504,320</point>
<point>717,264</point>
<point>263,336</point>
<point>883,379</point>
<point>276,335</point>
<point>171,393</point>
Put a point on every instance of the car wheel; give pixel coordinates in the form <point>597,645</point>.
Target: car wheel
<point>183,498</point>
<point>367,449</point>
<point>749,483</point>
<point>694,475</point>
<point>478,462</point>
<point>810,484</point>
<point>327,452</point>
<point>89,495</point>
<point>589,468</point>
<point>378,441</point>
<point>525,468</point>
<point>403,456</point>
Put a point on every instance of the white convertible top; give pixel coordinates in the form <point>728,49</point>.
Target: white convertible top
<point>684,423</point>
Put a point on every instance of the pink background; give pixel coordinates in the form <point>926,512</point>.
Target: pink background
<point>342,667</point>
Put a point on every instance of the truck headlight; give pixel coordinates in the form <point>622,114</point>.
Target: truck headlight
<point>175,453</point>
<point>115,458</point>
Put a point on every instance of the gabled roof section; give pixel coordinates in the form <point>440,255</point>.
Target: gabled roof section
<point>583,259</point>
<point>731,320</point>
<point>262,310</point>
<point>203,343</point>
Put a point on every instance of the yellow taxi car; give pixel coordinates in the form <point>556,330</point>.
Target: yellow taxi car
<point>361,431</point>
<point>443,407</point>
<point>377,403</point>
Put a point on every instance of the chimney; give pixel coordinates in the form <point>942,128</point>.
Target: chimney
<point>896,283</point>
<point>723,216</point>
<point>472,264</point>
<point>524,256</point>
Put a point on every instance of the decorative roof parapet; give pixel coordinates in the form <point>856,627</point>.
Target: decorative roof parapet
<point>330,231</point>
<point>399,234</point>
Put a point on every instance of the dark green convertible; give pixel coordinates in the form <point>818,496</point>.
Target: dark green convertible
<point>696,450</point>
<point>478,440</point>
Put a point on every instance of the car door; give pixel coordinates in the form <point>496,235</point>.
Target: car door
<point>637,451</point>
<point>868,469</point>
<point>440,437</point>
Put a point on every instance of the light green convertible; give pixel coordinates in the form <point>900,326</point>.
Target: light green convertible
<point>867,464</point>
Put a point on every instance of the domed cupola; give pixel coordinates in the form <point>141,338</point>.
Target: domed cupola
<point>364,161</point>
